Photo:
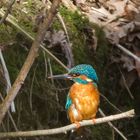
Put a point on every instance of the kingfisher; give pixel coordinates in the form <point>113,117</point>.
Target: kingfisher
<point>83,97</point>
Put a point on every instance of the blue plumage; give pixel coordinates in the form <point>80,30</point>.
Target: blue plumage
<point>82,69</point>
<point>68,102</point>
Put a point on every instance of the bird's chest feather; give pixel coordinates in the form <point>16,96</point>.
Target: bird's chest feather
<point>83,91</point>
<point>85,97</point>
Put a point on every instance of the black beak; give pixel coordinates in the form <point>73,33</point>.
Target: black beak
<point>61,76</point>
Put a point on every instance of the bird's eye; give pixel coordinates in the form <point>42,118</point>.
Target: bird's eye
<point>75,74</point>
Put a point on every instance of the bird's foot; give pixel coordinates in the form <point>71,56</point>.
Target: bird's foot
<point>78,125</point>
<point>94,120</point>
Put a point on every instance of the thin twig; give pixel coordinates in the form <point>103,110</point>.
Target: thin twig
<point>64,129</point>
<point>54,57</point>
<point>69,4</point>
<point>7,12</point>
<point>102,13</point>
<point>113,134</point>
<point>112,126</point>
<point>125,84</point>
<point>29,60</point>
<point>50,70</point>
<point>12,22</point>
<point>64,26</point>
<point>7,78</point>
<point>31,89</point>
<point>3,127</point>
<point>67,46</point>
<point>60,18</point>
<point>128,52</point>
<point>11,118</point>
<point>46,65</point>
<point>110,103</point>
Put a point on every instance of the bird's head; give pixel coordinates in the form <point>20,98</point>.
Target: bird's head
<point>82,73</point>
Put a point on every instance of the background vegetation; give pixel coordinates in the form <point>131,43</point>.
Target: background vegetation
<point>40,103</point>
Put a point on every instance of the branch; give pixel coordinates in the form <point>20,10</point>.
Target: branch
<point>11,118</point>
<point>7,78</point>
<point>29,60</point>
<point>128,52</point>
<point>69,5</point>
<point>111,104</point>
<point>8,11</point>
<point>64,129</point>
<point>125,84</point>
<point>109,123</point>
<point>112,126</point>
<point>67,47</point>
<point>10,19</point>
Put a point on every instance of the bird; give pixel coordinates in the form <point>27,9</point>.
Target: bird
<point>83,97</point>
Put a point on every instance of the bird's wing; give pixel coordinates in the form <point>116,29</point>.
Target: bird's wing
<point>68,102</point>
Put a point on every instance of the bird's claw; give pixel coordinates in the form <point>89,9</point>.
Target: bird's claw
<point>94,120</point>
<point>78,125</point>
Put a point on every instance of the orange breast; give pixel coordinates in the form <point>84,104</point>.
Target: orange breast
<point>85,101</point>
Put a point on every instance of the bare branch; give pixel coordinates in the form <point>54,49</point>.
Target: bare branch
<point>64,129</point>
<point>110,103</point>
<point>11,118</point>
<point>125,84</point>
<point>29,60</point>
<point>128,52</point>
<point>11,20</point>
<point>8,11</point>
<point>67,46</point>
<point>69,5</point>
<point>112,126</point>
<point>7,78</point>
